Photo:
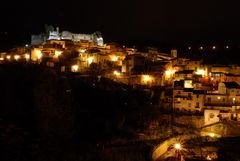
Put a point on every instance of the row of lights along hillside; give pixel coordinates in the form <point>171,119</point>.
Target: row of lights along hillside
<point>214,47</point>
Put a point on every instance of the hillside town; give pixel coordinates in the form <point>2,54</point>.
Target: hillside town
<point>182,85</point>
<point>196,87</point>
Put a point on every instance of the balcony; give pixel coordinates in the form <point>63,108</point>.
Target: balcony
<point>222,104</point>
<point>183,97</point>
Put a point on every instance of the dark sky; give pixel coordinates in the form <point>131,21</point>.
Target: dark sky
<point>160,20</point>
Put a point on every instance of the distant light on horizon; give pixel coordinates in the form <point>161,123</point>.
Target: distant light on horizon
<point>189,48</point>
<point>201,48</point>
<point>214,47</point>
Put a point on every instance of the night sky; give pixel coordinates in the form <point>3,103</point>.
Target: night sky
<point>174,21</point>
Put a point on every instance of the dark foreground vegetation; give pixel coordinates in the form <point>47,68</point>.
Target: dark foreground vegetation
<point>49,116</point>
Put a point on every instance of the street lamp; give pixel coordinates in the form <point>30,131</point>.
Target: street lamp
<point>114,58</point>
<point>90,60</point>
<point>177,146</point>
<point>116,73</point>
<point>58,53</point>
<point>27,56</point>
<point>212,135</point>
<point>16,57</point>
<point>169,72</point>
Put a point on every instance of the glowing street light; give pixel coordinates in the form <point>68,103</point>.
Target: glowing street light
<point>177,146</point>
<point>1,59</point>
<point>114,58</point>
<point>212,135</point>
<point>90,60</point>
<point>8,57</point>
<point>117,73</point>
<point>169,73</point>
<point>201,48</point>
<point>146,78</point>
<point>58,53</point>
<point>27,56</point>
<point>227,47</point>
<point>16,57</point>
<point>39,54</point>
<point>189,48</point>
<point>82,50</point>
<point>214,47</point>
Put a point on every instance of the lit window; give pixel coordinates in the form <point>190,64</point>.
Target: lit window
<point>74,68</point>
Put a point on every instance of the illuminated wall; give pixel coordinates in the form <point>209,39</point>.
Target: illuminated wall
<point>211,116</point>
<point>36,54</point>
<point>52,34</point>
<point>66,35</point>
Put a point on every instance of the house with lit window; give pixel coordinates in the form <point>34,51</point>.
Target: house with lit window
<point>133,63</point>
<point>230,78</point>
<point>226,100</point>
<point>229,88</point>
<point>182,75</point>
<point>187,99</point>
<point>220,69</point>
<point>192,65</point>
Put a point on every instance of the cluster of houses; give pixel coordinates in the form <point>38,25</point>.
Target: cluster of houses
<point>204,88</point>
<point>196,87</point>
